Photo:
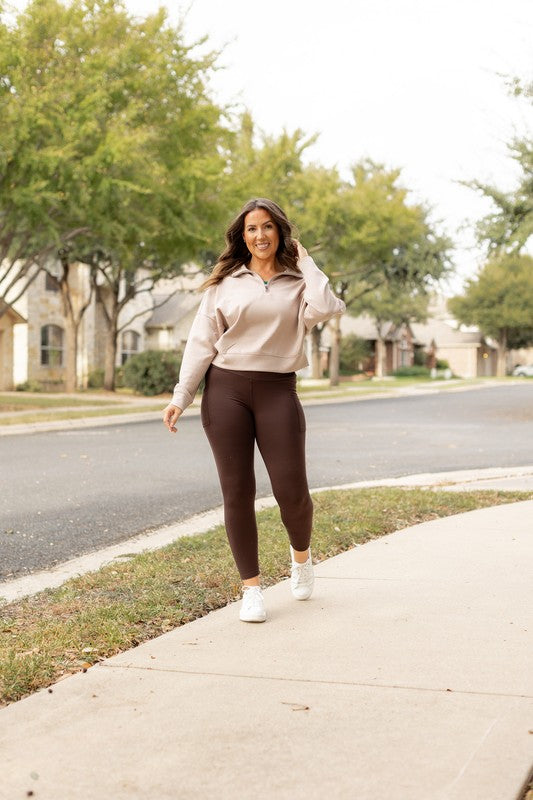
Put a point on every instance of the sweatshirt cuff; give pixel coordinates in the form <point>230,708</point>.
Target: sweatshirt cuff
<point>181,398</point>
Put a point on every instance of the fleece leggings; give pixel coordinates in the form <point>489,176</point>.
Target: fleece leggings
<point>240,408</point>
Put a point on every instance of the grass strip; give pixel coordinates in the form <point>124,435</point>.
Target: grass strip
<point>61,631</point>
<point>66,415</point>
<point>21,402</point>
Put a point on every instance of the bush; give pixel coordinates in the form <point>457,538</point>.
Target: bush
<point>441,363</point>
<point>412,372</point>
<point>353,353</point>
<point>95,379</point>
<point>152,372</point>
<point>29,386</point>
<point>420,357</point>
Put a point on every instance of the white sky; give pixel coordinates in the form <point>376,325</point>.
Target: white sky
<point>415,84</point>
<point>410,83</point>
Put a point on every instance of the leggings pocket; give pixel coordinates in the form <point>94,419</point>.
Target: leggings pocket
<point>299,411</point>
<point>204,409</point>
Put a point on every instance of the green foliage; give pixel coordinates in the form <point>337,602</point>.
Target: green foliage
<point>353,352</point>
<point>509,226</point>
<point>375,238</point>
<point>152,371</point>
<point>95,379</point>
<point>29,386</point>
<point>110,140</point>
<point>412,372</point>
<point>419,357</point>
<point>500,300</point>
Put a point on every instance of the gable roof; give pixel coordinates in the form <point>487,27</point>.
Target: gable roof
<point>10,312</point>
<point>444,335</point>
<point>173,309</point>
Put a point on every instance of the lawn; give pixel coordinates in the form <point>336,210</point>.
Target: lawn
<point>65,630</point>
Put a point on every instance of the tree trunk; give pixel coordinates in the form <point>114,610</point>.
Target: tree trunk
<point>316,335</point>
<point>379,358</point>
<point>71,355</point>
<point>334,356</point>
<point>502,354</point>
<point>110,355</point>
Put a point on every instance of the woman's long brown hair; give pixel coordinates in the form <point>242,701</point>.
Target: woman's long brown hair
<point>236,253</point>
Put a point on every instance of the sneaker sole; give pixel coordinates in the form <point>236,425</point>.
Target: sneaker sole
<point>252,619</point>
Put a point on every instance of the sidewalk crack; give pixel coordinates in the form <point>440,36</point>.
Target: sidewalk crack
<point>317,681</point>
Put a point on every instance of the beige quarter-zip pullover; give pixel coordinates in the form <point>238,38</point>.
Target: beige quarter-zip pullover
<point>243,323</point>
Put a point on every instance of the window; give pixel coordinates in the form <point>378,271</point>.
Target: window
<point>405,353</point>
<point>50,284</point>
<point>130,345</point>
<point>52,346</point>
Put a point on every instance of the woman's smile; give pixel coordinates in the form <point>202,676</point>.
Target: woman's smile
<point>261,234</point>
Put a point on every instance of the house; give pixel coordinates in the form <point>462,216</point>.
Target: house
<point>9,322</point>
<point>158,319</point>
<point>392,347</point>
<point>467,352</point>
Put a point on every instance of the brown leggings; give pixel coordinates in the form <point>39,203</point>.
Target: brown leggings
<point>240,408</point>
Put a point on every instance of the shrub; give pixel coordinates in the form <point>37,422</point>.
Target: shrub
<point>420,357</point>
<point>441,363</point>
<point>353,353</point>
<point>412,372</point>
<point>152,371</point>
<point>95,379</point>
<point>29,386</point>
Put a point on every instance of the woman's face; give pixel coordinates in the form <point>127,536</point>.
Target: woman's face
<point>261,234</point>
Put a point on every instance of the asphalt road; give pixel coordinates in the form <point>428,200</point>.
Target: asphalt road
<point>70,492</point>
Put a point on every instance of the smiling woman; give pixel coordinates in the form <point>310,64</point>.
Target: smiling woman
<point>264,294</point>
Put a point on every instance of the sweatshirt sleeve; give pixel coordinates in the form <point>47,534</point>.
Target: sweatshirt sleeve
<point>320,304</point>
<point>199,352</point>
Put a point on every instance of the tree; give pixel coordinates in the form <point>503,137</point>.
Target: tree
<point>392,305</point>
<point>29,199</point>
<point>509,227</point>
<point>500,302</point>
<point>118,150</point>
<point>374,239</point>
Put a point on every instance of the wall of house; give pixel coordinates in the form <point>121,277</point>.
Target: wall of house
<point>463,360</point>
<point>6,353</point>
<point>171,338</point>
<point>487,362</point>
<point>43,308</point>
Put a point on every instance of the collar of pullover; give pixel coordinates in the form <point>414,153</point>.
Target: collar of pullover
<point>243,270</point>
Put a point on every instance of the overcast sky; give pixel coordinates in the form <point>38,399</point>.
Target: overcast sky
<point>416,84</point>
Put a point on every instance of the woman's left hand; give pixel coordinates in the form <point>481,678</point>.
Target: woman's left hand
<point>302,252</point>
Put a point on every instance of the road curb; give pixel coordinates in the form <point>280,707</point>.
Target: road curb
<point>16,589</point>
<point>150,416</point>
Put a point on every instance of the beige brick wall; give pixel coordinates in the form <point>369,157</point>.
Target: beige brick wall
<point>6,353</point>
<point>462,360</point>
<point>44,308</point>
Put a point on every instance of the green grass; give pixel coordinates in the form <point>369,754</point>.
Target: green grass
<point>23,402</point>
<point>28,419</point>
<point>94,616</point>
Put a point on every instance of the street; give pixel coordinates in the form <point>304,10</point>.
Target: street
<point>67,493</point>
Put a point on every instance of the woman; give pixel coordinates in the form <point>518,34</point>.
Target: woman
<point>262,297</point>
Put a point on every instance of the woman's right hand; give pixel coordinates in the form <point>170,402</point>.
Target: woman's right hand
<point>171,414</point>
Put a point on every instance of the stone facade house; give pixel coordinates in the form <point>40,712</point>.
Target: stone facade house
<point>33,334</point>
<point>10,322</point>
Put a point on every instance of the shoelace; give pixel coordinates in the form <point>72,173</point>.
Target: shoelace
<point>252,595</point>
<point>301,572</point>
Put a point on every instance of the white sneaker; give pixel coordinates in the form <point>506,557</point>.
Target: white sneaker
<point>253,606</point>
<point>302,578</point>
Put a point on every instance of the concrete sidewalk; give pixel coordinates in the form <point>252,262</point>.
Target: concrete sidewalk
<point>408,675</point>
